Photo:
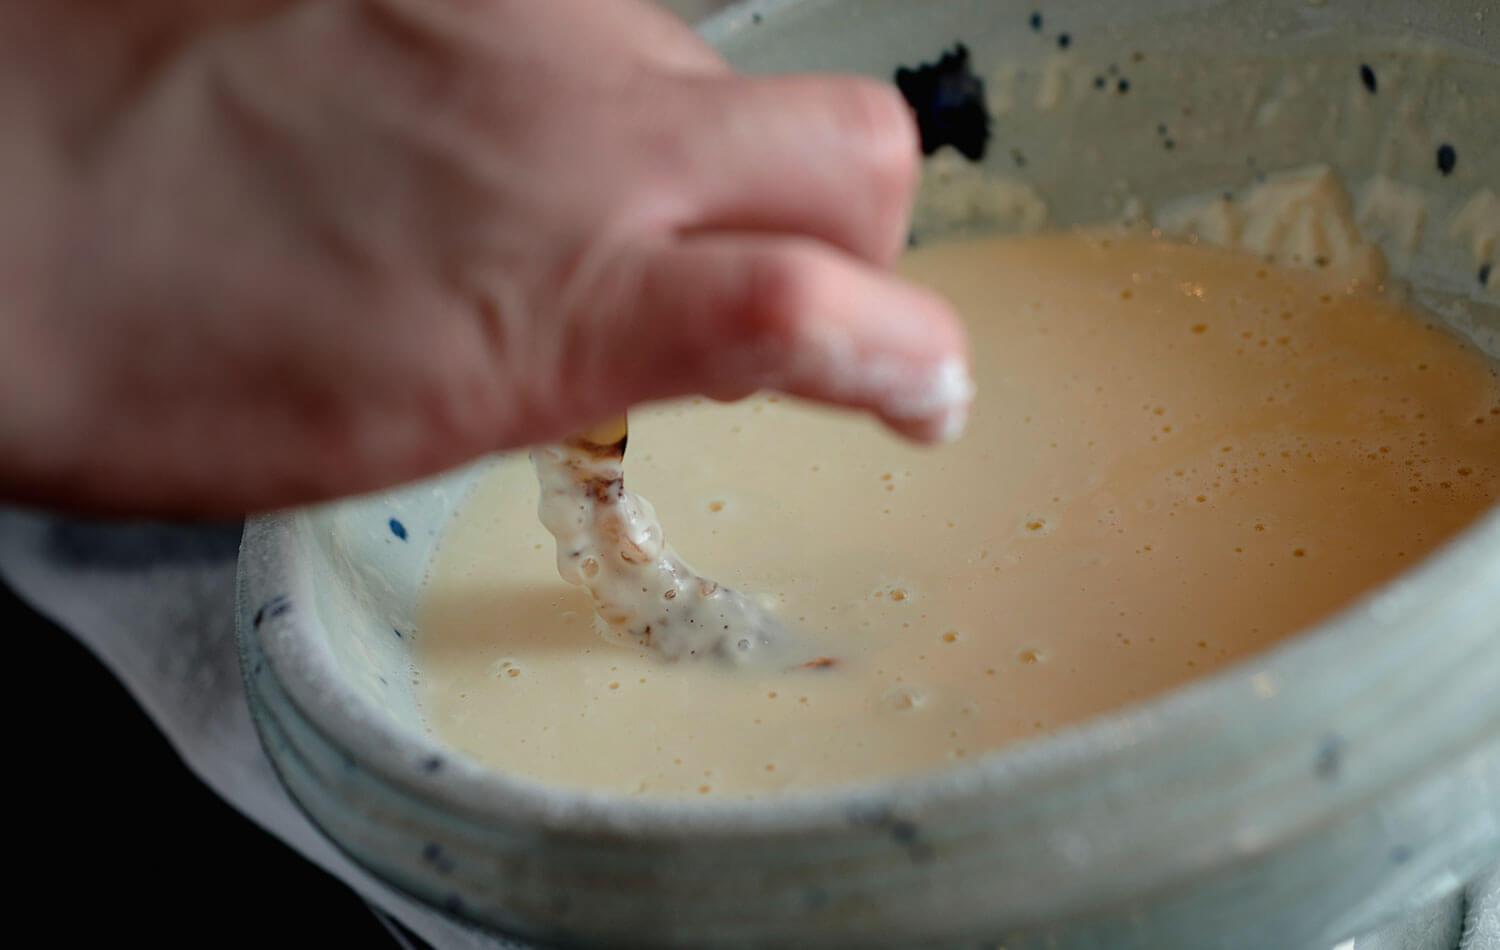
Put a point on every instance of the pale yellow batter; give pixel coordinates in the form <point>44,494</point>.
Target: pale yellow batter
<point>1178,456</point>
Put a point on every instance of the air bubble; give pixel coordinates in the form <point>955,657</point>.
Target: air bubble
<point>904,699</point>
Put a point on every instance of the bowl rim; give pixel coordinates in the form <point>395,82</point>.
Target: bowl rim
<point>1295,667</point>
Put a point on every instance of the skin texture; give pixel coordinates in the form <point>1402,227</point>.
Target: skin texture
<point>263,253</point>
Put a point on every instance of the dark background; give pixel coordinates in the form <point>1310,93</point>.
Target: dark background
<point>120,843</point>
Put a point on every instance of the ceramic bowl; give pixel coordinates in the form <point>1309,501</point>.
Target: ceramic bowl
<point>1293,800</point>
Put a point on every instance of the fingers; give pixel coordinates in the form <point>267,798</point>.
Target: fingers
<point>836,158</point>
<point>661,36</point>
<point>724,315</point>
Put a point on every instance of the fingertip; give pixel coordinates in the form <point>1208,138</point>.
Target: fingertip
<point>900,142</point>
<point>892,149</point>
<point>935,410</point>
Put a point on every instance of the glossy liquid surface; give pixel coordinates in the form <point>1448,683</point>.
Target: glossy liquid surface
<point>1178,456</point>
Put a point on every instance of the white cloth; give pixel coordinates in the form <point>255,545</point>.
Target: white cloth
<point>156,605</point>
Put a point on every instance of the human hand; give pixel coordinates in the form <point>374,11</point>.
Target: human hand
<point>306,249</point>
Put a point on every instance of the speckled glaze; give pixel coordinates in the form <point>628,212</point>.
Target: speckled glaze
<point>1294,800</point>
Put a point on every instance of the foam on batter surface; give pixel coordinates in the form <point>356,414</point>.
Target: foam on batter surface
<point>1177,457</point>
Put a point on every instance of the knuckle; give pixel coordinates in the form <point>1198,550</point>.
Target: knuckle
<point>781,290</point>
<point>879,120</point>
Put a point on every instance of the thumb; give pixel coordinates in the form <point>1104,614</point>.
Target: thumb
<point>724,315</point>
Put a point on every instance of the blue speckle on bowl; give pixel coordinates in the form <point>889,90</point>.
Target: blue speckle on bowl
<point>275,607</point>
<point>398,529</point>
<point>1447,158</point>
<point>1330,758</point>
<point>433,854</point>
<point>904,831</point>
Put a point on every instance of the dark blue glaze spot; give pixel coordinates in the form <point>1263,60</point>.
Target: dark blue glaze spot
<point>1484,275</point>
<point>1064,41</point>
<point>255,670</point>
<point>949,102</point>
<point>911,239</point>
<point>1330,758</point>
<point>904,831</point>
<point>1123,86</point>
<point>1367,76</point>
<point>432,763</point>
<point>1036,22</point>
<point>398,529</point>
<point>756,18</point>
<point>1098,82</point>
<point>397,633</point>
<point>433,854</point>
<point>1446,159</point>
<point>382,681</point>
<point>1168,144</point>
<point>275,607</point>
<point>1400,854</point>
